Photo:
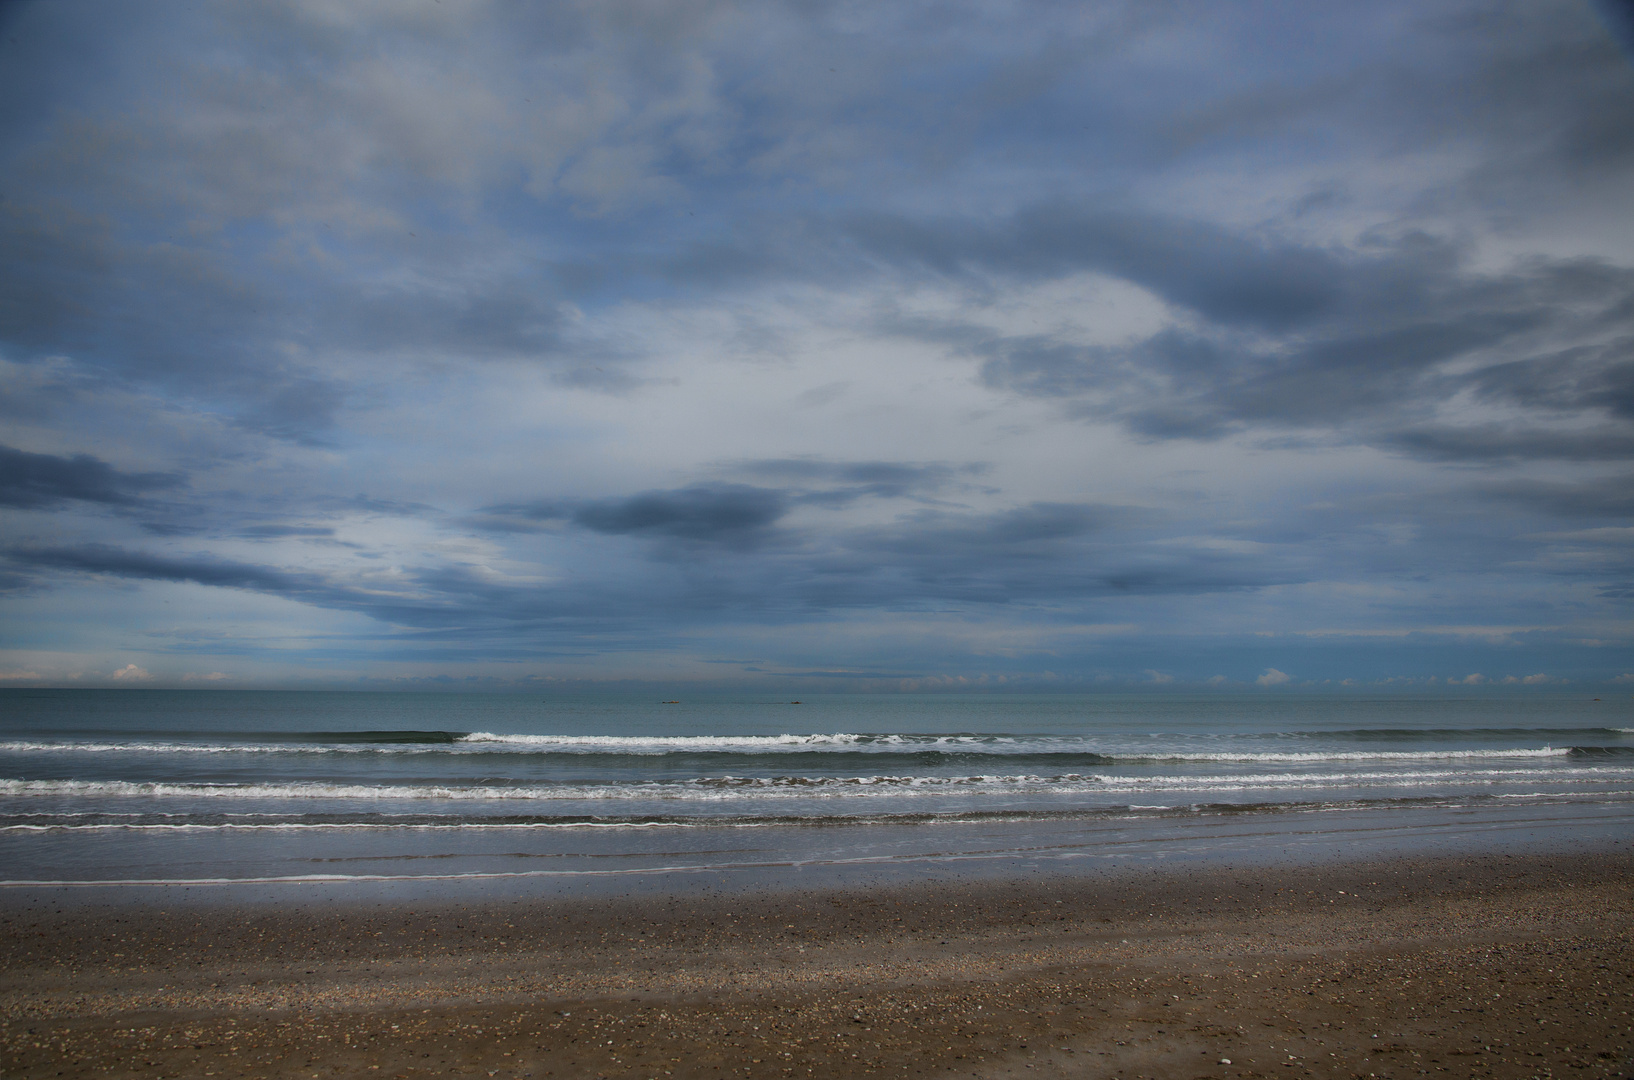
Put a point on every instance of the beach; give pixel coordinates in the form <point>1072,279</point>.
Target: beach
<point>657,539</point>
<point>1483,964</point>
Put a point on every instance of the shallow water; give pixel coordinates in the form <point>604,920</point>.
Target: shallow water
<point>208,786</point>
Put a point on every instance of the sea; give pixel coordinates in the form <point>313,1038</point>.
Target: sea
<point>320,793</point>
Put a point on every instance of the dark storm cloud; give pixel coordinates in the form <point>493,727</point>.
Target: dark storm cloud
<point>411,606</point>
<point>736,514</point>
<point>202,570</point>
<point>34,481</point>
<point>731,514</point>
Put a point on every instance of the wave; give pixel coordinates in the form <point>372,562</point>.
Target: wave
<point>718,788</point>
<point>735,743</point>
<point>1111,746</point>
<point>1553,733</point>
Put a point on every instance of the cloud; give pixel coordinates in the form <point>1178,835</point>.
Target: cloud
<point>296,407</point>
<point>1361,340</point>
<point>1600,376</point>
<point>1273,677</point>
<point>1222,275</point>
<point>203,570</point>
<point>835,483</point>
<point>714,557</point>
<point>750,331</point>
<point>1619,20</point>
<point>733,514</point>
<point>1030,529</point>
<point>38,481</point>
<point>275,532</point>
<point>131,673</point>
<point>1505,442</point>
<point>1605,496</point>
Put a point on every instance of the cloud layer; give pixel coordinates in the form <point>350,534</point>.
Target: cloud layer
<point>1041,344</point>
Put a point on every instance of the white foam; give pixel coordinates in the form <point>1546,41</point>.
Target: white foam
<point>764,744</point>
<point>1317,757</point>
<point>745,789</point>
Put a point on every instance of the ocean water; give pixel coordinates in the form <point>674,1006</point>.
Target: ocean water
<point>191,788</point>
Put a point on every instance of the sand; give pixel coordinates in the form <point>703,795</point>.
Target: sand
<point>1481,966</point>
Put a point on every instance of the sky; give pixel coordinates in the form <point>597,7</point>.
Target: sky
<point>851,346</point>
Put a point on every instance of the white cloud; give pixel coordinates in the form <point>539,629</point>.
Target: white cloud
<point>131,673</point>
<point>1273,677</point>
<point>210,676</point>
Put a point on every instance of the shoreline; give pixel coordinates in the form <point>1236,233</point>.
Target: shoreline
<point>261,867</point>
<point>1481,964</point>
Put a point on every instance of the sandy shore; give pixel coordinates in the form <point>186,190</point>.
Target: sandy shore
<point>1488,966</point>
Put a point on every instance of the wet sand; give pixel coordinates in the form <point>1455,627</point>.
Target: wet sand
<point>1481,966</point>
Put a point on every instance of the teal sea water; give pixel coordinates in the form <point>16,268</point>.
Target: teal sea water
<point>227,786</point>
